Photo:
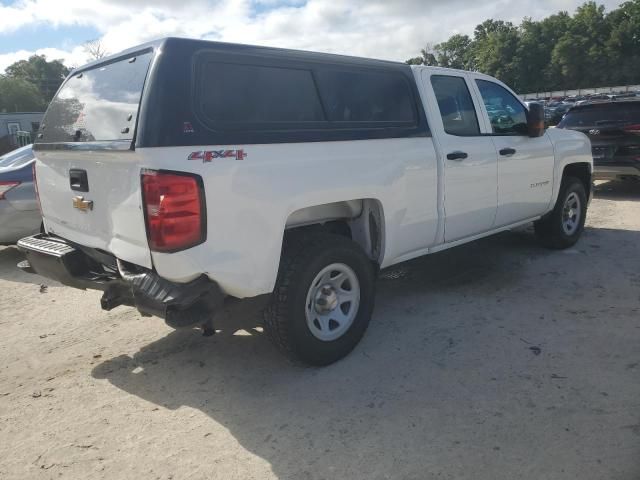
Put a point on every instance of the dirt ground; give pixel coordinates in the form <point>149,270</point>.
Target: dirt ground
<point>496,360</point>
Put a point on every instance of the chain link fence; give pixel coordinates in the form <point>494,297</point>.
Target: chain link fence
<point>582,91</point>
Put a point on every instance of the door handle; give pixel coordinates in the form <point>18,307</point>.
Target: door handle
<point>507,151</point>
<point>457,155</point>
<point>78,180</point>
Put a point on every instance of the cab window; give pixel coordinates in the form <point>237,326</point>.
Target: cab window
<point>507,115</point>
<point>455,104</point>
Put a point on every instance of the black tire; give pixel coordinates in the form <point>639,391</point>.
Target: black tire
<point>304,256</point>
<point>550,230</point>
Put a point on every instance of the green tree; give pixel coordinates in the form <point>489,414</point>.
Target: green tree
<point>549,32</point>
<point>568,62</point>
<point>531,57</point>
<point>623,45</point>
<point>18,95</point>
<point>47,76</point>
<point>455,53</point>
<point>426,57</point>
<point>415,61</point>
<point>590,48</point>
<point>494,50</point>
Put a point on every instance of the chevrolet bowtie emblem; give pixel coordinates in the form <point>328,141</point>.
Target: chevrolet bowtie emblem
<point>81,204</point>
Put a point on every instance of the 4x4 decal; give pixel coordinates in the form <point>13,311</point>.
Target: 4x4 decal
<point>208,155</point>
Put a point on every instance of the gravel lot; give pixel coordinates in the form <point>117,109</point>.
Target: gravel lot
<point>496,360</point>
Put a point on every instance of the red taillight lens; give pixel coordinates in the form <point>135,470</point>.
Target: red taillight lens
<point>174,210</point>
<point>632,129</point>
<point>5,187</point>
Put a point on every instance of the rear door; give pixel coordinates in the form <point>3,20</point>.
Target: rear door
<point>470,171</point>
<point>525,164</point>
<point>87,172</point>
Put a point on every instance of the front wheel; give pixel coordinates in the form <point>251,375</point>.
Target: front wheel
<point>563,226</point>
<point>323,299</point>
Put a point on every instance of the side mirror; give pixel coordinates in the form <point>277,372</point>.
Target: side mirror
<point>535,120</point>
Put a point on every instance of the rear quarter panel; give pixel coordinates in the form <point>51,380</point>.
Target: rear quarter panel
<point>248,201</point>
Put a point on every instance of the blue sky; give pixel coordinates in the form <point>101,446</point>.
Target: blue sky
<point>388,29</point>
<point>33,37</point>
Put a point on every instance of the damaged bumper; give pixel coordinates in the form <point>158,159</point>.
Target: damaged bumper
<point>179,304</point>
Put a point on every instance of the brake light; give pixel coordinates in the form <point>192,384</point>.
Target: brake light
<point>174,210</point>
<point>5,187</point>
<point>632,129</point>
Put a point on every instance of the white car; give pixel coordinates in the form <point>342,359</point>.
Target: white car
<point>180,173</point>
<point>19,213</point>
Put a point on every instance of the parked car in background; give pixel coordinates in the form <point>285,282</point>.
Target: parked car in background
<point>553,115</point>
<point>19,212</point>
<point>619,96</point>
<point>614,130</point>
<point>595,97</point>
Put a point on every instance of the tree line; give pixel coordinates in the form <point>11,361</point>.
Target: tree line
<point>29,85</point>
<point>590,48</point>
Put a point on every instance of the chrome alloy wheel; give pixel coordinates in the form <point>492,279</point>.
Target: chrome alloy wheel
<point>571,213</point>
<point>332,302</point>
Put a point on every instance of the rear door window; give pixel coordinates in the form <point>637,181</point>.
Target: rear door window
<point>456,106</point>
<point>98,104</point>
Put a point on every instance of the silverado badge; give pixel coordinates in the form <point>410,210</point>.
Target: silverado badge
<point>81,204</point>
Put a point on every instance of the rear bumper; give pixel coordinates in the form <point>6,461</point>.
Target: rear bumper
<point>180,304</point>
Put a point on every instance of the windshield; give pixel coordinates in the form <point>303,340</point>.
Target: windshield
<point>99,104</point>
<point>17,158</point>
<point>602,115</point>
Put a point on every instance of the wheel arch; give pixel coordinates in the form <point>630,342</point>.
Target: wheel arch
<point>361,219</point>
<point>581,171</point>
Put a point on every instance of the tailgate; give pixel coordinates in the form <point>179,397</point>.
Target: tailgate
<point>87,171</point>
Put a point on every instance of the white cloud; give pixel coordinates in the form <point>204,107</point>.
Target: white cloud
<point>388,29</point>
<point>72,58</point>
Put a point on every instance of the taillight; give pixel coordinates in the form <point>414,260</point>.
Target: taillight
<point>174,210</point>
<point>632,129</point>
<point>5,187</point>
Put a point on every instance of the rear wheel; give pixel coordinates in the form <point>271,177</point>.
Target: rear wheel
<point>564,225</point>
<point>323,299</point>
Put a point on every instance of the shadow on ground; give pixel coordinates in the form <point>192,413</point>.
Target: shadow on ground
<point>10,256</point>
<point>474,366</point>
<point>618,190</point>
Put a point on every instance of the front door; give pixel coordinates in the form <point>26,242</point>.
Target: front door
<point>525,164</point>
<point>470,167</point>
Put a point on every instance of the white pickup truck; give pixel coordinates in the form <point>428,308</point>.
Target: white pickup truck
<point>181,173</point>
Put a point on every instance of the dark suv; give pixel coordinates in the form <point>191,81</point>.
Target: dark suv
<point>614,130</point>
